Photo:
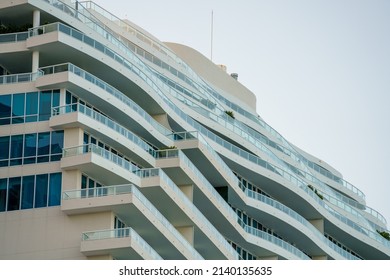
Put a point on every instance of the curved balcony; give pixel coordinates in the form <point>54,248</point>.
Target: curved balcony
<point>120,243</point>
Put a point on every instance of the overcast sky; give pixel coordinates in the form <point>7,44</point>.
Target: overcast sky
<point>320,71</point>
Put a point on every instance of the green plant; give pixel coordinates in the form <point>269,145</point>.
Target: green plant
<point>316,192</point>
<point>230,114</point>
<point>384,234</point>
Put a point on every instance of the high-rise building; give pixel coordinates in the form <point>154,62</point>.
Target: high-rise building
<point>114,145</point>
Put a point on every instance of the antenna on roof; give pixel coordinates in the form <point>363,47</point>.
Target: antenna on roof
<point>212,27</point>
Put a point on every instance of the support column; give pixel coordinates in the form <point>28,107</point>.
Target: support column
<point>35,61</point>
<point>36,18</point>
<point>35,54</point>
<point>188,233</point>
<point>318,224</point>
<point>188,191</point>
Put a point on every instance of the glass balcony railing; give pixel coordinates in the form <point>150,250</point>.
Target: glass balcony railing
<point>122,189</point>
<point>109,89</point>
<point>92,148</point>
<point>19,78</point>
<point>13,37</point>
<point>301,220</point>
<point>121,233</point>
<point>77,107</point>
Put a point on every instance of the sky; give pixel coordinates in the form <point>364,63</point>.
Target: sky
<point>320,70</point>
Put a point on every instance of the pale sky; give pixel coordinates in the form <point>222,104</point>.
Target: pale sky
<point>320,70</point>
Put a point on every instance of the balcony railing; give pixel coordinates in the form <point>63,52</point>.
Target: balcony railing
<point>121,233</point>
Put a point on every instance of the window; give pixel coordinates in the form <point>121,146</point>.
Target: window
<point>30,148</point>
<point>43,146</point>
<point>4,150</point>
<point>18,108</point>
<point>32,191</point>
<point>13,194</point>
<point>28,107</point>
<point>55,189</point>
<point>5,109</point>
<point>28,192</point>
<point>16,149</point>
<point>3,194</point>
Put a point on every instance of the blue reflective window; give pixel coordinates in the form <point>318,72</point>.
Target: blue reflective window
<point>18,108</point>
<point>13,194</point>
<point>31,106</point>
<point>43,146</point>
<point>30,148</point>
<point>3,194</point>
<point>55,189</point>
<point>28,192</point>
<point>41,183</point>
<point>56,98</point>
<point>5,109</point>
<point>57,143</point>
<point>4,150</point>
<point>44,105</point>
<point>16,149</point>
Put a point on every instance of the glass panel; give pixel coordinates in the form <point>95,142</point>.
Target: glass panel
<point>4,148</point>
<point>16,149</point>
<point>31,106</point>
<point>41,190</point>
<point>5,109</point>
<point>3,194</point>
<point>30,148</point>
<point>56,98</point>
<point>13,194</point>
<point>57,143</point>
<point>44,105</point>
<point>43,146</point>
<point>55,189</point>
<point>18,108</point>
<point>28,192</point>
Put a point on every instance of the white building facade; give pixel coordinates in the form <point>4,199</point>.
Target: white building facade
<point>114,145</point>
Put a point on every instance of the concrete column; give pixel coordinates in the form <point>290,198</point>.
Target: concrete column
<point>188,233</point>
<point>318,224</point>
<point>35,55</point>
<point>36,18</point>
<point>188,191</point>
<point>35,61</point>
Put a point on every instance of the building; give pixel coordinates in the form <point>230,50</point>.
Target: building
<point>114,145</point>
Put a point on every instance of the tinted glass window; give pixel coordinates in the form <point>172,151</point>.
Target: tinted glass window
<point>28,192</point>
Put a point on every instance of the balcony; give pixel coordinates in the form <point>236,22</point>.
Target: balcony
<point>122,243</point>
